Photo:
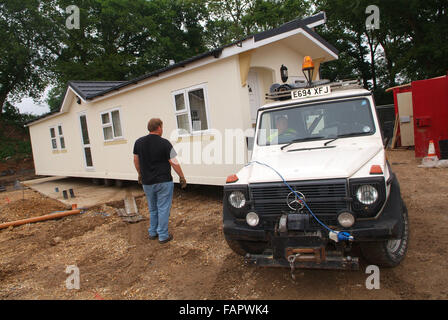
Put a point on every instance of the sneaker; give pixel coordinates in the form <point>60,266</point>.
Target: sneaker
<point>153,237</point>
<point>170,237</point>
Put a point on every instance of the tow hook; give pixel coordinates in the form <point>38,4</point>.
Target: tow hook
<point>292,259</point>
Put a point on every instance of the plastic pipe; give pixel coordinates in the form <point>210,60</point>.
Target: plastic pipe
<point>40,218</point>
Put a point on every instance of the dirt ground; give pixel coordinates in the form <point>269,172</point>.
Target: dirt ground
<point>117,261</point>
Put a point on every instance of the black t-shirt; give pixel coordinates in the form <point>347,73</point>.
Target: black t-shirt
<point>153,153</point>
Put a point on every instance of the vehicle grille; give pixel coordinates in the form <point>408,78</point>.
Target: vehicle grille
<point>325,198</point>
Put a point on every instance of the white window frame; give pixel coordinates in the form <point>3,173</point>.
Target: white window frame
<point>187,109</point>
<point>111,124</point>
<point>57,137</point>
<point>83,145</point>
<point>54,138</point>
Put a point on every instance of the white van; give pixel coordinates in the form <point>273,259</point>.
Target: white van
<point>318,184</point>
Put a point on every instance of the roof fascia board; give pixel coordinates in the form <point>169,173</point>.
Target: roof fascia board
<point>69,88</point>
<point>316,20</point>
<point>309,22</point>
<point>61,109</point>
<point>73,88</point>
<point>43,119</point>
<point>321,41</point>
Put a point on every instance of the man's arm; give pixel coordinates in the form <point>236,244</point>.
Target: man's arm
<point>137,163</point>
<point>176,166</point>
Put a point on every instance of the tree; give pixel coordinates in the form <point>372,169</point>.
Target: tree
<point>121,39</point>
<point>411,43</point>
<point>24,61</point>
<point>234,20</point>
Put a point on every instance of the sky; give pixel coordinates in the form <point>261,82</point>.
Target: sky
<point>29,106</point>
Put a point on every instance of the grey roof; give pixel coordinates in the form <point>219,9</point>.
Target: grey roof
<point>89,89</point>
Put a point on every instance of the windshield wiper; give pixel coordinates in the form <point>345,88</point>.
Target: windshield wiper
<point>331,141</point>
<point>301,140</point>
<point>311,148</point>
<point>346,135</point>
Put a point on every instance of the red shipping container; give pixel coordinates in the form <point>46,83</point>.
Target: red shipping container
<point>430,108</point>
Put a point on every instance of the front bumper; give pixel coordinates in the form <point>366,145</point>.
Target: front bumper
<point>331,262</point>
<point>385,227</point>
<point>374,230</point>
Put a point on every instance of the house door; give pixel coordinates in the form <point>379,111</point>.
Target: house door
<point>254,94</point>
<point>405,111</point>
<point>85,142</point>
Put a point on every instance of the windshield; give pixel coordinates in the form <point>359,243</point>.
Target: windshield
<point>316,122</point>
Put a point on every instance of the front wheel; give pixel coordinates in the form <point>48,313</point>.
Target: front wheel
<point>389,253</point>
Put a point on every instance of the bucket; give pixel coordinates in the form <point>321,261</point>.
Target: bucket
<point>443,145</point>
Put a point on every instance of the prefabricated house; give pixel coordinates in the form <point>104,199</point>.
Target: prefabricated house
<point>205,102</point>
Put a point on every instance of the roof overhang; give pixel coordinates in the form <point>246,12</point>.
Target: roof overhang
<point>64,108</point>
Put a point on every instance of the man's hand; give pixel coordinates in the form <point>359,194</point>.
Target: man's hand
<point>183,182</point>
<point>139,179</point>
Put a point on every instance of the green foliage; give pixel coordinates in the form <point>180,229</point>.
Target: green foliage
<point>122,39</point>
<point>25,60</point>
<point>233,20</point>
<point>16,149</point>
<point>411,44</point>
<point>12,116</point>
<point>13,136</point>
<point>55,98</point>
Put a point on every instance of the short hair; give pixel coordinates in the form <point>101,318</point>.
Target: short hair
<point>281,118</point>
<point>154,124</point>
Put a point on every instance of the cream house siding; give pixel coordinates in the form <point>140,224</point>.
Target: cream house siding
<point>115,160</point>
<point>273,56</point>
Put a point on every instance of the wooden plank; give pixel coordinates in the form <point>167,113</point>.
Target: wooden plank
<point>394,137</point>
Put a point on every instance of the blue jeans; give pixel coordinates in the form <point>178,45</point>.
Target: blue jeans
<point>159,198</point>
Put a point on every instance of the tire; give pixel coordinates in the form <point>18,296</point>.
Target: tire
<point>389,253</point>
<point>243,247</point>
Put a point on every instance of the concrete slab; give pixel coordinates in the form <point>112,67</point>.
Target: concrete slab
<point>87,194</point>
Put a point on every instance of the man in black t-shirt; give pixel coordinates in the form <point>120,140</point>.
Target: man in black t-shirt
<point>154,157</point>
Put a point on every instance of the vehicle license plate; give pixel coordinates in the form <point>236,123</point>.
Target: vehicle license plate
<point>310,92</point>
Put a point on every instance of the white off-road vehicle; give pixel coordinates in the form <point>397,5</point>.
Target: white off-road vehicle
<point>318,184</point>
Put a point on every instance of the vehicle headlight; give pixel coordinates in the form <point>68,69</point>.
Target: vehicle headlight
<point>237,199</point>
<point>367,194</point>
<point>346,219</point>
<point>252,219</point>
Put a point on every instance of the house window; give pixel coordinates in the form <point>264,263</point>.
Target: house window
<point>54,141</point>
<point>191,109</point>
<point>61,137</point>
<point>57,138</point>
<point>111,125</point>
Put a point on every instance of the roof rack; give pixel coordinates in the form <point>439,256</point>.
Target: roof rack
<point>283,91</point>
